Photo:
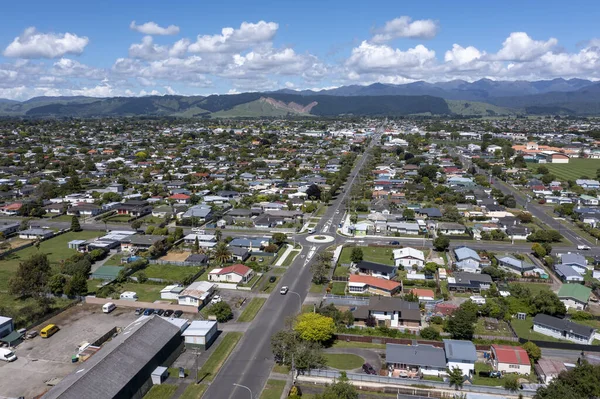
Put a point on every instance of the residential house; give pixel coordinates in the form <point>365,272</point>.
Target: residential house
<point>515,265</point>
<point>588,184</point>
<point>415,361</point>
<point>135,208</point>
<point>404,228</point>
<point>574,296</point>
<point>181,198</point>
<point>237,273</point>
<point>358,284</point>
<point>576,261</point>
<point>36,234</point>
<point>7,228</point>
<point>201,212</point>
<point>252,244</point>
<point>474,282</point>
<point>239,254</point>
<point>510,359</point>
<point>548,369</point>
<point>11,209</point>
<point>430,213</point>
<point>467,260</point>
<point>376,269</point>
<point>517,232</point>
<point>136,242</point>
<point>460,354</point>
<point>568,274</point>
<point>563,329</point>
<point>200,334</point>
<point>588,200</point>
<point>84,209</point>
<point>451,229</point>
<point>407,257</point>
<point>423,294</point>
<point>196,294</point>
<point>390,312</point>
<point>171,292</point>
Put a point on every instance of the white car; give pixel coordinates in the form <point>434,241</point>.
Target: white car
<point>216,299</point>
<point>284,290</point>
<point>583,247</point>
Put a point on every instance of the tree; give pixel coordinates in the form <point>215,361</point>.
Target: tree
<point>222,311</point>
<point>430,333</point>
<point>218,235</point>
<point>31,277</point>
<point>538,250</point>
<point>547,302</point>
<point>455,377</point>
<point>580,382</point>
<point>496,170</point>
<point>56,284</point>
<point>141,277</point>
<point>196,248</point>
<point>371,321</point>
<point>460,325</point>
<point>278,238</point>
<point>511,382</point>
<point>313,192</point>
<point>283,344</point>
<point>314,327</point>
<point>408,214</point>
<point>441,243</point>
<point>75,226</point>
<point>341,389</point>
<point>136,224</point>
<point>357,255</point>
<point>509,201</point>
<point>533,351</point>
<point>308,355</point>
<point>319,271</point>
<point>77,285</point>
<point>221,253</point>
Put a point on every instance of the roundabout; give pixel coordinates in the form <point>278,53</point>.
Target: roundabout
<point>320,238</point>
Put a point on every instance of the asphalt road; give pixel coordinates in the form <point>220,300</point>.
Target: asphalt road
<point>250,364</point>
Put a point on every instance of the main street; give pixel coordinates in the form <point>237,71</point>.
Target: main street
<point>251,362</point>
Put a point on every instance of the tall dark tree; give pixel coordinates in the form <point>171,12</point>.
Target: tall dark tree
<point>32,276</point>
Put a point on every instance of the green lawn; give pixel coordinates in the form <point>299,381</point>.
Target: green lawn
<point>163,391</point>
<point>281,369</point>
<point>523,328</point>
<point>169,272</point>
<point>316,288</point>
<point>371,254</point>
<point>575,169</point>
<point>252,281</point>
<point>118,219</point>
<point>341,271</point>
<point>273,389</point>
<point>56,249</point>
<point>213,364</point>
<point>194,391</point>
<point>252,309</point>
<point>278,270</point>
<point>115,260</point>
<point>290,258</point>
<point>339,288</point>
<point>145,292</point>
<point>535,288</point>
<point>174,372</point>
<point>343,361</point>
<point>354,344</point>
<point>13,307</point>
<point>477,380</point>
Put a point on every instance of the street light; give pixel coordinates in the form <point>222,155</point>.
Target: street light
<point>243,386</point>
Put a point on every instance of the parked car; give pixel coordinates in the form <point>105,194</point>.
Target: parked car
<point>216,299</point>
<point>272,279</point>
<point>367,368</point>
<point>284,290</point>
<point>139,311</point>
<point>160,312</point>
<point>31,334</point>
<point>178,313</point>
<point>168,313</point>
<point>394,242</point>
<point>156,311</point>
<point>583,248</point>
<point>148,312</point>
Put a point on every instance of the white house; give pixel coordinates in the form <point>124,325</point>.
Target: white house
<point>196,294</point>
<point>461,354</point>
<point>407,257</point>
<point>563,329</point>
<point>129,295</point>
<point>232,274</point>
<point>35,234</point>
<point>510,359</point>
<point>467,260</point>
<point>171,292</point>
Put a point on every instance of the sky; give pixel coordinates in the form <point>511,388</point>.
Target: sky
<point>133,48</point>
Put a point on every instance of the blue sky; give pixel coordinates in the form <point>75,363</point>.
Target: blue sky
<point>95,48</point>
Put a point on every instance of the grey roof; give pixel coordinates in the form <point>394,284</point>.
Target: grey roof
<point>377,267</point>
<point>460,350</point>
<point>106,373</point>
<point>406,310</point>
<point>573,259</point>
<point>465,253</point>
<point>563,325</point>
<point>516,264</point>
<point>566,271</point>
<point>418,355</point>
<point>143,240</point>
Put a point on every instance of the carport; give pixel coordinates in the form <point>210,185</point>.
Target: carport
<point>12,339</point>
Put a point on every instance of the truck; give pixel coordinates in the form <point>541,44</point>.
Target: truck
<point>7,355</point>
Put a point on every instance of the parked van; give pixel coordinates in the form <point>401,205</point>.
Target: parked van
<point>49,331</point>
<point>7,355</point>
<point>311,230</point>
<point>108,307</point>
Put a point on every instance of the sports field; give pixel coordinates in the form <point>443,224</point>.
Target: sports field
<point>575,169</point>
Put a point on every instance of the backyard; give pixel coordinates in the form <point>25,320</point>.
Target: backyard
<point>372,254</point>
<point>575,169</point>
<point>145,292</point>
<point>500,329</point>
<point>343,361</point>
<point>169,272</point>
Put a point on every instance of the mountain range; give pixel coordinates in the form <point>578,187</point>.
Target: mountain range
<point>480,98</point>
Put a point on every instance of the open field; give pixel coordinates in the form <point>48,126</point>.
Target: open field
<point>343,361</point>
<point>273,389</point>
<point>575,169</point>
<point>176,256</point>
<point>501,329</point>
<point>169,272</point>
<point>145,292</point>
<point>56,249</point>
<point>371,254</point>
<point>213,364</point>
<point>252,309</point>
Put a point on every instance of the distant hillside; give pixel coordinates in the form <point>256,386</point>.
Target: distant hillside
<point>474,108</point>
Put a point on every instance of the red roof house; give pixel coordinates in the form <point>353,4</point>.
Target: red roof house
<point>510,359</point>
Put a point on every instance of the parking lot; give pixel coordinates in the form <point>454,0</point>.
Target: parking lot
<point>40,360</point>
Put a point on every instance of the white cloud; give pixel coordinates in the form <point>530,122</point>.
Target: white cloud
<point>33,44</point>
<point>232,40</point>
<point>69,67</point>
<point>370,58</point>
<point>520,47</point>
<point>462,55</point>
<point>405,27</point>
<point>152,28</point>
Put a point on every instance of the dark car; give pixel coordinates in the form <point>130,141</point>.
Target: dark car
<point>394,242</point>
<point>148,312</point>
<point>156,311</point>
<point>160,312</point>
<point>272,279</point>
<point>168,313</point>
<point>139,311</point>
<point>178,313</point>
<point>367,368</point>
<point>495,374</point>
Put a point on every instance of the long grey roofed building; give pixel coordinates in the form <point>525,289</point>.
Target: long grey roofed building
<point>418,355</point>
<point>123,365</point>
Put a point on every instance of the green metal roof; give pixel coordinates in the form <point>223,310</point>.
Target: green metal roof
<point>575,291</point>
<point>12,337</point>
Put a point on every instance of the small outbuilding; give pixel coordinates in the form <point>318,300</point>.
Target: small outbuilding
<point>200,334</point>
